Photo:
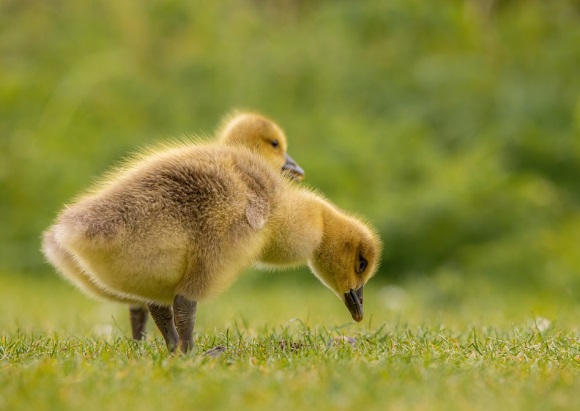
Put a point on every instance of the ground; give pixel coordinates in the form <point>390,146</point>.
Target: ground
<point>428,343</point>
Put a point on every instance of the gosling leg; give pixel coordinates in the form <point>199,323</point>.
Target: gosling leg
<point>163,317</point>
<point>185,310</point>
<point>138,315</point>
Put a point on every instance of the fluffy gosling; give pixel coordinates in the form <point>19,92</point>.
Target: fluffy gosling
<point>178,226</point>
<point>246,129</point>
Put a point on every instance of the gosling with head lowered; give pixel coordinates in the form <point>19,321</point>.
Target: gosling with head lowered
<point>245,129</point>
<point>178,226</point>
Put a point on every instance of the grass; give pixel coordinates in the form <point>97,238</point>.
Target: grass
<point>286,348</point>
<point>455,133</point>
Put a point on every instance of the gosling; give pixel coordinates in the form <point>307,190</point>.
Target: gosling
<point>238,129</point>
<point>261,135</point>
<point>178,226</point>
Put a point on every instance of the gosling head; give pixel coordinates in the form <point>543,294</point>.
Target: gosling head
<point>348,256</point>
<point>263,136</point>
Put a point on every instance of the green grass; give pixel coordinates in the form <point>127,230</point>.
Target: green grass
<point>420,347</point>
<point>456,134</point>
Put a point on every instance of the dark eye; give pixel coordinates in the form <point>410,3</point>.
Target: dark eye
<point>362,265</point>
<point>275,143</point>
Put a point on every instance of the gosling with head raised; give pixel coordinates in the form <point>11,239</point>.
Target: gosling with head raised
<point>238,129</point>
<point>179,226</point>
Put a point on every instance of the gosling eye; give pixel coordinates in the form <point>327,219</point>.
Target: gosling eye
<point>275,143</point>
<point>361,265</point>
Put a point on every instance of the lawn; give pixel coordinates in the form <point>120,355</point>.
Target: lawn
<point>431,343</point>
<point>455,130</point>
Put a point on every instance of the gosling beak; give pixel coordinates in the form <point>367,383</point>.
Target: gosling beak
<point>293,170</point>
<point>354,302</point>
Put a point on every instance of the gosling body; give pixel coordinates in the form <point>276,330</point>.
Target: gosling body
<point>177,215</point>
<point>180,226</point>
<point>247,130</point>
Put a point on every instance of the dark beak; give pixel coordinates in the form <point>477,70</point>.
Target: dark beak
<point>292,169</point>
<point>354,302</point>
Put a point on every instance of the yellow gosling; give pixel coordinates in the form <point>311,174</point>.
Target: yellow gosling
<point>238,129</point>
<point>261,135</point>
<point>178,226</point>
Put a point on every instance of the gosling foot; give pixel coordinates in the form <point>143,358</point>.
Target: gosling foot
<point>163,317</point>
<point>138,315</point>
<point>184,310</point>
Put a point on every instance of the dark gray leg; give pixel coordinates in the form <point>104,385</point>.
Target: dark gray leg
<point>163,317</point>
<point>138,315</point>
<point>184,310</point>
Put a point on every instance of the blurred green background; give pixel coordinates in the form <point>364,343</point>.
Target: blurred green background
<point>454,126</point>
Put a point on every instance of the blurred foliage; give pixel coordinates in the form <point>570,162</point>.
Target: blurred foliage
<point>453,126</point>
